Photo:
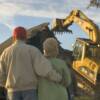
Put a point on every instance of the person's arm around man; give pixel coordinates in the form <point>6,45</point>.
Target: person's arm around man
<point>43,68</point>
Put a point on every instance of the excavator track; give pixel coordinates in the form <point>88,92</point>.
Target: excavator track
<point>86,89</point>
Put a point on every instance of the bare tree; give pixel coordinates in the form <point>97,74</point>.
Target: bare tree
<point>94,3</point>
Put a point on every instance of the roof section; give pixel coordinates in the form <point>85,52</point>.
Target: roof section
<point>31,33</point>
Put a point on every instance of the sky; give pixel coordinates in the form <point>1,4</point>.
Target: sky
<point>29,13</point>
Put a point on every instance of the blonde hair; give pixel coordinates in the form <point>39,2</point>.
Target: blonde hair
<point>50,47</point>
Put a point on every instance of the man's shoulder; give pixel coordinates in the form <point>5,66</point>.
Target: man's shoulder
<point>8,48</point>
<point>31,47</point>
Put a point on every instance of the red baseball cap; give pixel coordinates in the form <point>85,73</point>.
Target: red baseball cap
<point>19,33</point>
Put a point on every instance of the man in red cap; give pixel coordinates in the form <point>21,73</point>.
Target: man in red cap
<point>20,67</point>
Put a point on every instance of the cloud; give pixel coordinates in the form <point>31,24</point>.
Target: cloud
<point>43,8</point>
<point>35,8</point>
<point>93,14</point>
<point>7,21</point>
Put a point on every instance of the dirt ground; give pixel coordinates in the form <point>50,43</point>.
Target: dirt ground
<point>83,98</point>
<point>90,93</point>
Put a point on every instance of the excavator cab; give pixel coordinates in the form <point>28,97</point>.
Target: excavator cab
<point>85,59</point>
<point>84,48</point>
<point>78,50</point>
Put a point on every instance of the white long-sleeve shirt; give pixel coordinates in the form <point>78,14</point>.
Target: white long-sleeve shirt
<point>20,64</point>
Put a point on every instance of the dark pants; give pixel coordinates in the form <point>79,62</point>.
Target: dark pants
<point>22,95</point>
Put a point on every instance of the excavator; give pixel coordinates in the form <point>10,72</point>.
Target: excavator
<point>85,51</point>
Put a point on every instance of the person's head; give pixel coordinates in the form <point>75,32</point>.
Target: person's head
<point>50,47</point>
<point>19,33</point>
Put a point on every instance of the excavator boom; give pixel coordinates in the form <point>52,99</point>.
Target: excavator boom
<point>87,25</point>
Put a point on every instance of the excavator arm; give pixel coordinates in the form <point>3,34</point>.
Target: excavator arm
<point>83,62</point>
<point>87,25</point>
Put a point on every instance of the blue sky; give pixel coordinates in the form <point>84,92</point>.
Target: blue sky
<point>29,13</point>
